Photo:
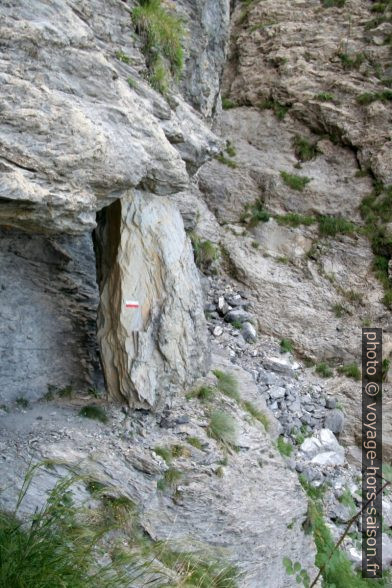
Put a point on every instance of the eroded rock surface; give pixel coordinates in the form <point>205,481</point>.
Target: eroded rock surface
<point>144,256</point>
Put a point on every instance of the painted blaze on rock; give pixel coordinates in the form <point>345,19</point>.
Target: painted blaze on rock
<point>151,351</point>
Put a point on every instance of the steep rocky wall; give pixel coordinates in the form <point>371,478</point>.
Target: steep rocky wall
<point>79,127</point>
<point>48,302</point>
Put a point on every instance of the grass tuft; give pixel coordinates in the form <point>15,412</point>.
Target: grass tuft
<point>228,384</point>
<point>323,370</point>
<point>304,149</point>
<point>223,427</point>
<point>332,225</point>
<point>295,182</point>
<point>280,110</point>
<point>350,370</point>
<point>284,447</point>
<point>256,414</point>
<point>286,346</point>
<point>204,393</point>
<point>162,35</point>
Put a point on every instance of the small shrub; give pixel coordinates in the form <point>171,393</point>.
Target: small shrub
<point>332,225</point>
<point>284,447</point>
<point>339,310</point>
<point>325,97</point>
<point>22,402</point>
<point>304,149</point>
<point>226,161</point>
<point>94,412</point>
<point>350,370</point>
<point>95,487</point>
<point>230,149</point>
<point>195,442</point>
<point>323,370</point>
<point>228,384</point>
<point>171,479</point>
<point>227,103</point>
<point>222,427</point>
<point>286,346</point>
<point>295,182</point>
<point>256,414</point>
<point>179,451</point>
<point>121,56</point>
<point>255,244</point>
<point>204,393</point>
<point>353,61</point>
<point>205,252</point>
<point>164,453</point>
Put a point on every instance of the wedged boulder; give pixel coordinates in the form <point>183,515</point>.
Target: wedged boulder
<point>150,352</point>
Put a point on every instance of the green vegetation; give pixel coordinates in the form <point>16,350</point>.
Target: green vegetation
<point>313,492</point>
<point>347,500</point>
<point>65,392</point>
<point>280,110</point>
<point>195,442</point>
<point>295,569</point>
<point>353,61</point>
<point>254,214</point>
<point>304,149</point>
<point>255,244</point>
<point>300,436</point>
<point>170,480</point>
<point>59,545</point>
<point>164,453</point>
<point>222,427</point>
<point>226,161</point>
<point>331,3</point>
<point>332,225</point>
<point>295,182</point>
<point>323,370</point>
<point>205,252</point>
<point>350,370</point>
<point>227,103</point>
<point>197,570</point>
<point>353,296</point>
<point>385,368</point>
<point>339,310</point>
<point>204,393</point>
<point>227,383</point>
<point>368,97</point>
<point>92,411</point>
<point>284,447</point>
<point>293,219</point>
<point>256,414</point>
<point>236,324</point>
<point>338,570</point>
<point>230,149</point>
<point>121,56</point>
<point>162,36</point>
<point>376,210</point>
<point>286,346</point>
<point>132,83</point>
<point>325,97</point>
<point>22,402</point>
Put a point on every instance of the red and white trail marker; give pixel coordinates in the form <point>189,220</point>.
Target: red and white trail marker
<point>131,304</point>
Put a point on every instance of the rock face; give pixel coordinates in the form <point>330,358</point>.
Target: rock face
<point>48,305</point>
<point>144,256</point>
<point>79,128</point>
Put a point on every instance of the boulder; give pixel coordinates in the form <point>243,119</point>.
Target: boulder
<point>144,257</point>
